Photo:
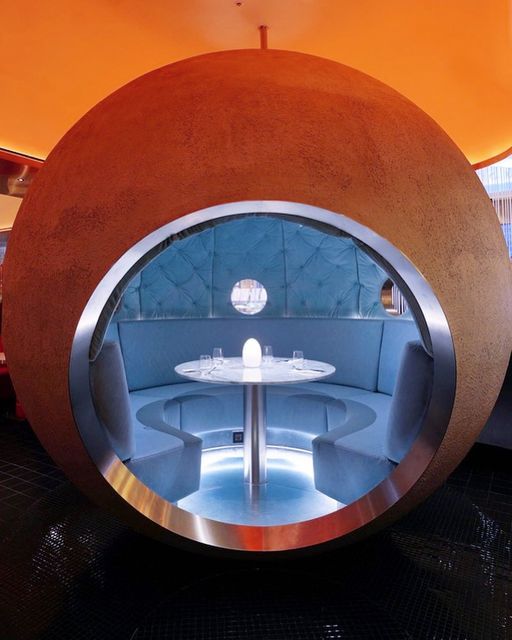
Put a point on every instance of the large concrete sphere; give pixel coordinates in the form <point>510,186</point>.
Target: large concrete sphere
<point>251,125</point>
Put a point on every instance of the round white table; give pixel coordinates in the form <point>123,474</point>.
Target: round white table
<point>255,380</point>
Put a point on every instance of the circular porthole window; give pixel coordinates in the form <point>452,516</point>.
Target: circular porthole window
<point>249,296</point>
<point>392,299</point>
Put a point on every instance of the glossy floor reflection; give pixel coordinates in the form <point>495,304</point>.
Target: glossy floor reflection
<point>289,495</point>
<point>70,571</point>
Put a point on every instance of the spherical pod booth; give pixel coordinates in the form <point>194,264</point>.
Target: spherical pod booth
<point>270,195</point>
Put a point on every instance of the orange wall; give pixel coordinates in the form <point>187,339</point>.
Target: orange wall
<point>451,58</point>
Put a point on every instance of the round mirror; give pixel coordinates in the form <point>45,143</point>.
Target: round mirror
<point>248,296</point>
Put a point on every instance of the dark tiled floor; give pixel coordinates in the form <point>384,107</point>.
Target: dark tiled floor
<point>26,471</point>
<point>70,571</point>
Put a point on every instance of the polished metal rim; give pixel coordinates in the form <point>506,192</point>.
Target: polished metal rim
<point>436,335</point>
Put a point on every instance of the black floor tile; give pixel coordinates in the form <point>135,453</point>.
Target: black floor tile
<point>70,571</point>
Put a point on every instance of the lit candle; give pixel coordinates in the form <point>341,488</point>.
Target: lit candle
<point>251,353</point>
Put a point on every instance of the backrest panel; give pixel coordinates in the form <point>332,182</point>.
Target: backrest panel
<point>410,400</point>
<point>396,334</point>
<point>111,399</point>
<point>152,348</point>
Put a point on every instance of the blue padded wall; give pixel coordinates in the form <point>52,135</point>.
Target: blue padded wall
<point>249,248</point>
<point>321,274</point>
<point>306,272</point>
<point>179,281</point>
<point>129,307</point>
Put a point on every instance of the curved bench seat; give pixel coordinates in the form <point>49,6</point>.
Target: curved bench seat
<point>168,461</point>
<point>214,412</point>
<point>360,440</point>
<point>351,453</point>
<point>352,459</point>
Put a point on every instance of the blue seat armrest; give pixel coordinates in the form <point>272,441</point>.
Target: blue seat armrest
<point>345,472</point>
<point>357,416</point>
<point>154,415</point>
<point>173,472</point>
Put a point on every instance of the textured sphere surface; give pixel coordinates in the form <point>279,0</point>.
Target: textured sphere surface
<point>251,125</point>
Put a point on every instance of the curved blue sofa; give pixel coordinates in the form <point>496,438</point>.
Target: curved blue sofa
<point>169,460</point>
<point>352,452</point>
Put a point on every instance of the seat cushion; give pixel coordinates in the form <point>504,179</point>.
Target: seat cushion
<point>166,460</point>
<point>295,413</point>
<point>165,463</point>
<point>351,466</point>
<point>338,391</point>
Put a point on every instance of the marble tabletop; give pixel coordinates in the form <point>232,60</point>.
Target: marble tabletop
<point>232,371</point>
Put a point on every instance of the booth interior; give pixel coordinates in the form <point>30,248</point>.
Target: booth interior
<point>290,285</point>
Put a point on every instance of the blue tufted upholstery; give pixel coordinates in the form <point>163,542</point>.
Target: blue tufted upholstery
<point>249,248</point>
<point>321,274</point>
<point>130,306</point>
<point>179,280</point>
<point>307,273</point>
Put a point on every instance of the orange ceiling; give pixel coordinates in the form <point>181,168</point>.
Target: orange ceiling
<point>452,57</point>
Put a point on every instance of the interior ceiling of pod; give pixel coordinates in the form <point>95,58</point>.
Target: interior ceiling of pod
<point>451,58</point>
<point>306,273</point>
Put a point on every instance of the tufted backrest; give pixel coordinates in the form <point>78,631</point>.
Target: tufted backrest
<point>306,272</point>
<point>410,400</point>
<point>152,348</point>
<point>110,393</point>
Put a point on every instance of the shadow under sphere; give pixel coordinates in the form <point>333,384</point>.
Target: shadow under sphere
<point>246,126</point>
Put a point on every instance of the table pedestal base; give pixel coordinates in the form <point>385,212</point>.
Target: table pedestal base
<point>255,436</point>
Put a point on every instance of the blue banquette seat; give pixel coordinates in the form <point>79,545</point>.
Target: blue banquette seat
<point>381,366</point>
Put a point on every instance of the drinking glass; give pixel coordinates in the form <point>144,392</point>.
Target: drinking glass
<point>218,356</point>
<point>205,363</point>
<point>298,360</point>
<point>268,355</point>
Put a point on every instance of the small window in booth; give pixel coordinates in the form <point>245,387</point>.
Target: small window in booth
<point>248,296</point>
<point>392,299</point>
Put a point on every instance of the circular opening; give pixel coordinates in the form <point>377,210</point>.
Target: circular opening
<point>392,299</point>
<point>297,532</point>
<point>248,296</point>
